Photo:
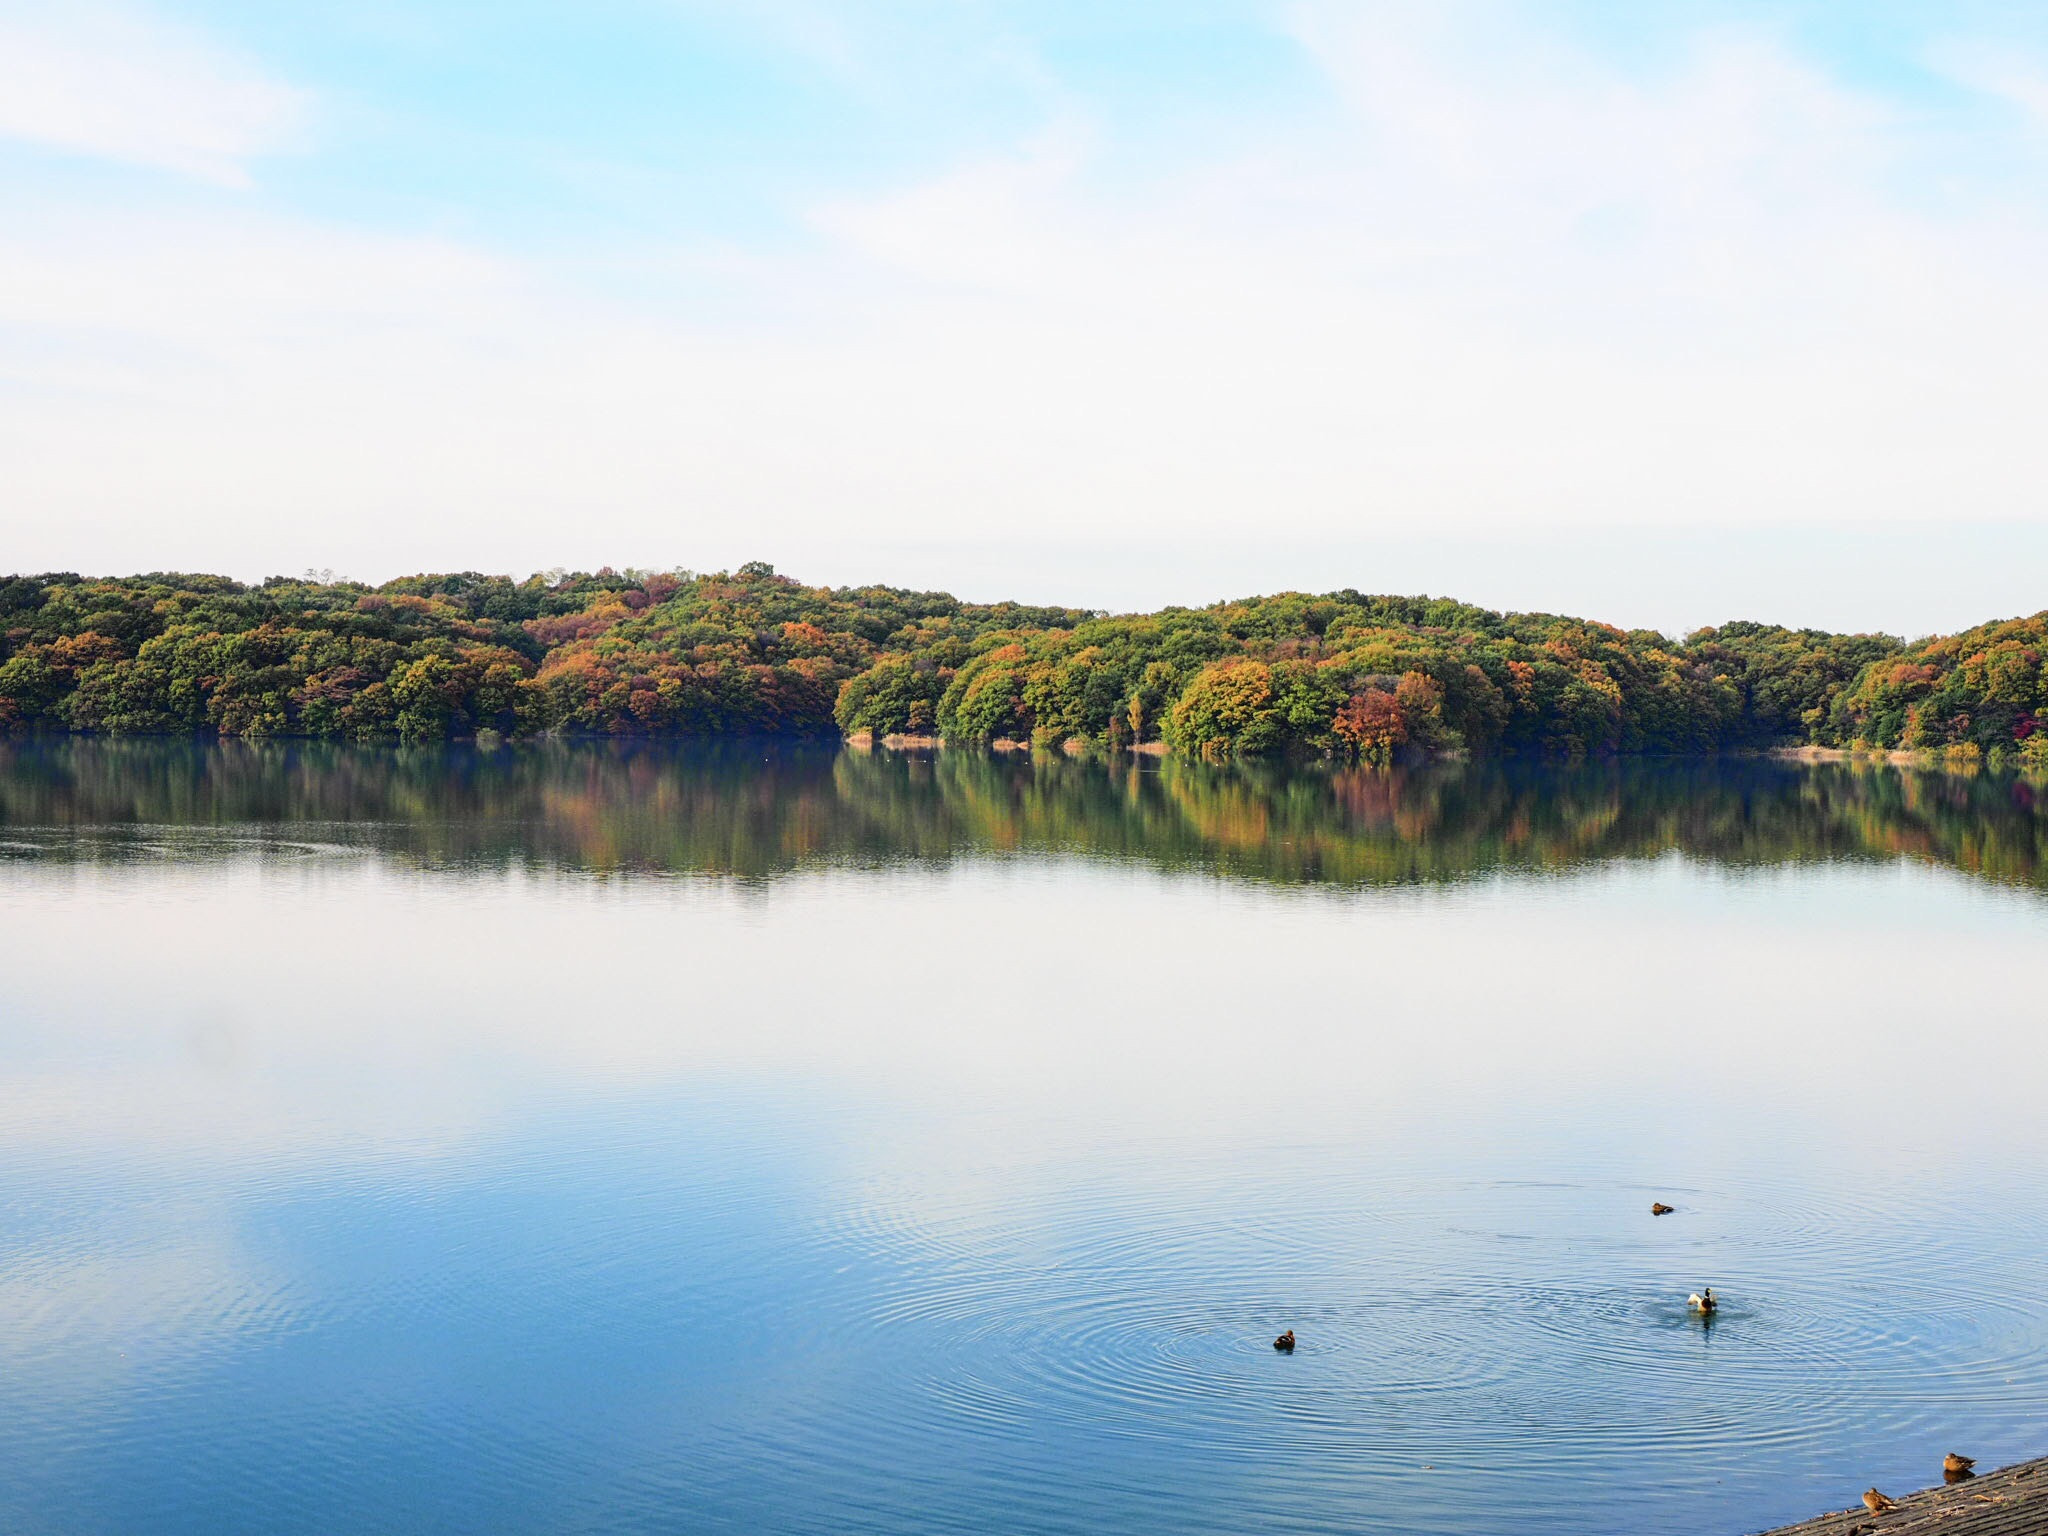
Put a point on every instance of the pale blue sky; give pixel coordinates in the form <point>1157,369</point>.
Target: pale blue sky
<point>1668,313</point>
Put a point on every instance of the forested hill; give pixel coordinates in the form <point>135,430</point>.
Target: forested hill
<point>639,653</point>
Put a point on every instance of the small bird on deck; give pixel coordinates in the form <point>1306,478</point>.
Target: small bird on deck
<point>1877,1503</point>
<point>1703,1302</point>
<point>1285,1343</point>
<point>1659,1208</point>
<point>1955,1468</point>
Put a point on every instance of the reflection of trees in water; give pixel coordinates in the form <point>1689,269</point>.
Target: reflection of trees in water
<point>759,810</point>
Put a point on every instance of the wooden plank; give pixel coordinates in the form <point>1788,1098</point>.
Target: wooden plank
<point>2013,1501</point>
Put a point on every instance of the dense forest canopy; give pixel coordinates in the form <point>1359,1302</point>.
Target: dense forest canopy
<point>750,652</point>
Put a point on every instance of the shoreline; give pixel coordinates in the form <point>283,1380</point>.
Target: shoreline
<point>2012,1501</point>
<point>1073,746</point>
<point>1936,760</point>
<point>1962,762</point>
<point>1903,757</point>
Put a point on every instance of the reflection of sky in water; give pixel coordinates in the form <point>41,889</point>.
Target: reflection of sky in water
<point>346,1197</point>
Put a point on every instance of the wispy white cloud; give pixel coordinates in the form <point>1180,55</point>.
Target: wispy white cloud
<point>120,85</point>
<point>986,226</point>
<point>2009,76</point>
<point>893,52</point>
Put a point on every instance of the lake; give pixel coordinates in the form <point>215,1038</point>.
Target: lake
<point>653,1140</point>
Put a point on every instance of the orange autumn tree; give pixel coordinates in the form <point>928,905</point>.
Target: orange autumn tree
<point>1376,723</point>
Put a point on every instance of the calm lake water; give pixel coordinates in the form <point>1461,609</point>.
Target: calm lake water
<point>589,1139</point>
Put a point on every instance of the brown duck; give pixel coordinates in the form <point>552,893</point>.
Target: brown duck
<point>1285,1342</point>
<point>1955,1468</point>
<point>1877,1503</point>
<point>1659,1208</point>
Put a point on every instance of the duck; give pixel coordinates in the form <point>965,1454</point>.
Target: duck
<point>1703,1302</point>
<point>1659,1208</point>
<point>1285,1343</point>
<point>1877,1503</point>
<point>1955,1468</point>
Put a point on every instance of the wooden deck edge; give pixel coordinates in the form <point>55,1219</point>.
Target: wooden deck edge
<point>2013,1501</point>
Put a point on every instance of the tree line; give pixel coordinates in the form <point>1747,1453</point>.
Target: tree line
<point>751,652</point>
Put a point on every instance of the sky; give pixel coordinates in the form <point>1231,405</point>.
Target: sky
<point>1661,314</point>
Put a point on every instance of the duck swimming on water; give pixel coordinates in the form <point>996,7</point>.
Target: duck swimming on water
<point>1659,1208</point>
<point>1703,1302</point>
<point>1955,1468</point>
<point>1285,1343</point>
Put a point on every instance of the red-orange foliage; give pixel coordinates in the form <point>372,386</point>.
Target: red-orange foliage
<point>1372,724</point>
<point>606,610</point>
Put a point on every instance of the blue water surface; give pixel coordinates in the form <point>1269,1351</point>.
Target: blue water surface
<point>674,1147</point>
